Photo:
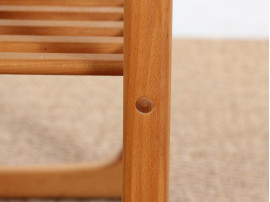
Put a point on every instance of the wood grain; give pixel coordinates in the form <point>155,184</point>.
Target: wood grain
<point>60,44</point>
<point>147,70</point>
<point>59,31</point>
<point>61,64</point>
<point>146,74</point>
<point>55,23</point>
<point>63,2</point>
<point>67,181</point>
<point>60,28</point>
<point>60,47</point>
<point>61,13</point>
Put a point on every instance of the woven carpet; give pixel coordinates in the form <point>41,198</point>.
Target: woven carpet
<point>219,135</point>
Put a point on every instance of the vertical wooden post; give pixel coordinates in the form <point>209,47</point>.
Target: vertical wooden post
<point>147,70</point>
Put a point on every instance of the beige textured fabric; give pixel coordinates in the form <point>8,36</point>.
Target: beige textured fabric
<point>219,143</point>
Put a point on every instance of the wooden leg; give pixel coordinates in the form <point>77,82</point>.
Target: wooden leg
<point>147,100</point>
<point>74,181</point>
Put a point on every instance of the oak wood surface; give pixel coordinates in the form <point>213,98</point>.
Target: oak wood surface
<point>63,2</point>
<point>146,75</point>
<point>55,23</point>
<point>42,15</point>
<point>60,9</point>
<point>60,28</point>
<point>67,181</point>
<point>61,13</point>
<point>147,70</point>
<point>79,39</point>
<point>59,31</point>
<point>61,64</point>
<point>60,44</point>
<point>61,56</point>
<point>60,47</point>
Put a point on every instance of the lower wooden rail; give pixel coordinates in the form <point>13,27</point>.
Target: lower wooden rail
<point>75,181</point>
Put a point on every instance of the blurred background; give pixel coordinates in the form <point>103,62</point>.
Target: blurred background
<point>241,19</point>
<point>219,130</point>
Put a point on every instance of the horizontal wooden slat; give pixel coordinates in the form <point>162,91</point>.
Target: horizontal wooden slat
<point>61,67</point>
<point>61,56</point>
<point>49,44</point>
<point>61,64</point>
<point>62,9</point>
<point>61,13</point>
<point>61,39</point>
<point>63,2</point>
<point>60,47</point>
<point>59,31</point>
<point>60,28</point>
<point>54,23</point>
